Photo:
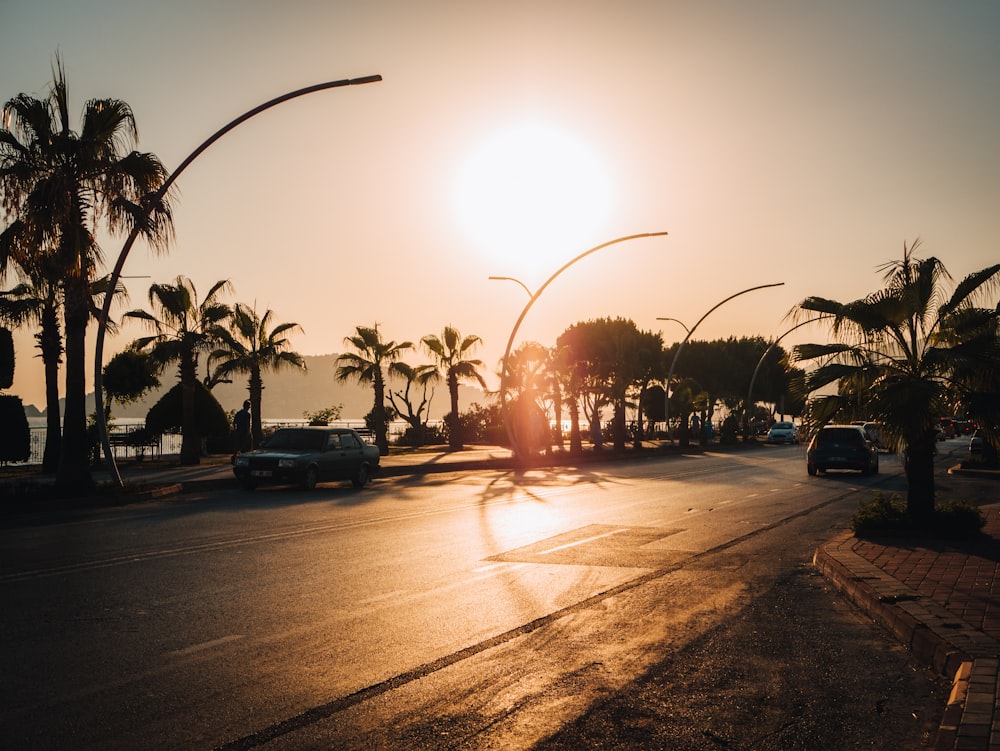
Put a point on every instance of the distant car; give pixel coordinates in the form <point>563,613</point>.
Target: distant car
<point>308,455</point>
<point>783,432</point>
<point>872,430</point>
<point>841,447</point>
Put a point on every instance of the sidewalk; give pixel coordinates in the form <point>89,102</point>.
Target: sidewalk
<point>942,600</point>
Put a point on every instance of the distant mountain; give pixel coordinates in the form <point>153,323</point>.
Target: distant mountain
<point>288,393</point>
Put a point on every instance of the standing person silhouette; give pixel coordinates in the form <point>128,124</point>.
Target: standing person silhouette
<point>241,423</point>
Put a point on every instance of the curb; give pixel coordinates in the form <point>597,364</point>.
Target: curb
<point>938,638</point>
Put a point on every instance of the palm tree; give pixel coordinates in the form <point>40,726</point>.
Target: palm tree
<point>365,365</point>
<point>247,346</point>
<point>451,352</point>
<point>916,346</point>
<point>64,185</point>
<point>184,329</point>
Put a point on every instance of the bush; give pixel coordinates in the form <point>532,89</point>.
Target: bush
<point>15,438</point>
<point>430,435</point>
<point>887,515</point>
<point>165,415</point>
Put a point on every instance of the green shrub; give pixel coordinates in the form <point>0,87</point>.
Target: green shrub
<point>15,438</point>
<point>165,415</point>
<point>958,519</point>
<point>6,359</point>
<point>881,515</point>
<point>887,515</point>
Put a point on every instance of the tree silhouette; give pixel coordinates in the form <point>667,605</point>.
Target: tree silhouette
<point>451,352</point>
<point>248,345</point>
<point>370,363</point>
<point>62,186</point>
<point>916,346</point>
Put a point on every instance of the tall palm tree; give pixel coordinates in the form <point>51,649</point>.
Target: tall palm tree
<point>916,346</point>
<point>65,185</point>
<point>451,352</point>
<point>371,362</point>
<point>247,346</point>
<point>184,329</point>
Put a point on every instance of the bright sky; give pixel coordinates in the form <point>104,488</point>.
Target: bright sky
<point>776,141</point>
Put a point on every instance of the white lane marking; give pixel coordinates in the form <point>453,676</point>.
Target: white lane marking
<point>581,542</point>
<point>382,597</point>
<point>206,645</point>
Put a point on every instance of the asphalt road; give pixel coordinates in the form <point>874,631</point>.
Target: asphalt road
<point>484,610</point>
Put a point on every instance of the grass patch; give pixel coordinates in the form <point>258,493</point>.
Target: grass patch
<point>887,515</point>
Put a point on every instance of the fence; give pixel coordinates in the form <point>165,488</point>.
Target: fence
<point>123,448</point>
<point>170,443</point>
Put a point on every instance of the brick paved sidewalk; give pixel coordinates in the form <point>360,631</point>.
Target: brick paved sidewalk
<point>938,598</point>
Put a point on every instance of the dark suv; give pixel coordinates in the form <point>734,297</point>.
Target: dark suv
<point>841,447</point>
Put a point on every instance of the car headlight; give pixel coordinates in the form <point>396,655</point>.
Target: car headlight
<point>242,461</point>
<point>286,463</point>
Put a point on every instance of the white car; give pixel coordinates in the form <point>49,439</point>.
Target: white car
<point>783,432</point>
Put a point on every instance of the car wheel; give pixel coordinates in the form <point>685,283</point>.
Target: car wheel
<point>361,478</point>
<point>811,470</point>
<point>309,479</point>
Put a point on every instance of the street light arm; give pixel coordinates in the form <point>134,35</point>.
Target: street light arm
<point>102,322</point>
<point>517,325</point>
<point>760,362</point>
<point>670,375</point>
<point>675,320</point>
<point>511,279</point>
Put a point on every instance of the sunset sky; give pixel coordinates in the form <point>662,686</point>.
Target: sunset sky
<point>791,141</point>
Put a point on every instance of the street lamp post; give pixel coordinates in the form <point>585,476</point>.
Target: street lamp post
<point>666,393</point>
<point>670,375</point>
<point>102,322</point>
<point>753,378</point>
<point>520,319</point>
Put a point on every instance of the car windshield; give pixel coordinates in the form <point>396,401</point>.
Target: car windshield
<point>782,426</point>
<point>298,440</point>
<point>840,435</point>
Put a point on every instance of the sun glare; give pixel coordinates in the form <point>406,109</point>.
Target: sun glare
<point>532,195</point>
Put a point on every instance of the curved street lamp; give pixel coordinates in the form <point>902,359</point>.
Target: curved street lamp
<point>511,279</point>
<point>520,318</point>
<point>675,320</point>
<point>747,436</point>
<point>102,322</point>
<point>670,375</point>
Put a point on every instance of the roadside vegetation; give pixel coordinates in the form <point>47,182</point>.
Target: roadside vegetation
<point>887,516</point>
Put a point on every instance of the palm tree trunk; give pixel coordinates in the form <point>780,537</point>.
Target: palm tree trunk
<point>557,436</point>
<point>50,344</point>
<point>73,473</point>
<point>455,426</point>
<point>256,397</point>
<point>918,464</point>
<point>378,415</point>
<point>575,439</point>
<point>190,438</point>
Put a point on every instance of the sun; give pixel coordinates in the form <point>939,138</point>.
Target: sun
<point>531,195</point>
